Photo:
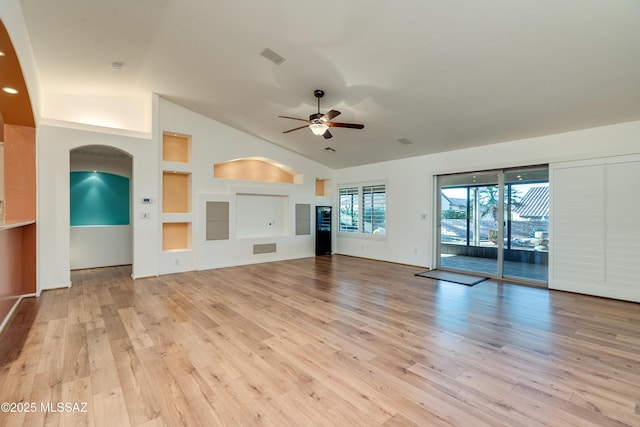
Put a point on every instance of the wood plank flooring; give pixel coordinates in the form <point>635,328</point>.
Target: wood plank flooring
<point>326,341</point>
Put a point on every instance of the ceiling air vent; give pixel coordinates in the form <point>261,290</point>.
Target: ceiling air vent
<point>404,141</point>
<point>272,56</point>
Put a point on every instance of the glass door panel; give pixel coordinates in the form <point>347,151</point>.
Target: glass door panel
<point>469,215</point>
<point>526,230</point>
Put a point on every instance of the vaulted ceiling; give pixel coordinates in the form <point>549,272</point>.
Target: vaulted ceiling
<point>438,74</point>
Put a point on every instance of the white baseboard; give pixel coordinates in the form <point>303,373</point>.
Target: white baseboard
<point>62,286</point>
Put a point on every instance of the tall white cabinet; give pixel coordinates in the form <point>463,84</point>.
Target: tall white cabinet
<point>595,227</point>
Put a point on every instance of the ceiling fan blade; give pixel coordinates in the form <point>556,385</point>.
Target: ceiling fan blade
<point>330,115</point>
<point>291,130</point>
<point>327,134</point>
<point>345,125</point>
<point>294,118</point>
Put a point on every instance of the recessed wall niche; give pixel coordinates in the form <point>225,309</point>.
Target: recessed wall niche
<point>256,169</point>
<point>323,187</point>
<point>175,236</point>
<point>262,215</point>
<point>175,192</point>
<point>176,148</point>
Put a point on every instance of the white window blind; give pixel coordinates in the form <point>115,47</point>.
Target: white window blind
<point>349,209</point>
<point>374,203</point>
<point>363,209</point>
<point>595,240</point>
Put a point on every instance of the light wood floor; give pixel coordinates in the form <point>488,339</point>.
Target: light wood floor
<point>333,341</point>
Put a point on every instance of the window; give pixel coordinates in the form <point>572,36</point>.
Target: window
<point>349,209</point>
<point>363,209</point>
<point>374,206</point>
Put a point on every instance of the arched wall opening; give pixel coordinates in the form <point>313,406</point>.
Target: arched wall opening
<point>100,194</point>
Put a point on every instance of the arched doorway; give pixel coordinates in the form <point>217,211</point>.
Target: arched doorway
<point>101,226</point>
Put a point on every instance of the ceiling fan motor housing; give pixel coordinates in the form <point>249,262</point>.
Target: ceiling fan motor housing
<point>315,118</point>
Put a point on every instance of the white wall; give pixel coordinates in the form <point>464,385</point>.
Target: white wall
<point>262,215</point>
<point>113,113</point>
<point>53,145</point>
<point>410,183</point>
<point>213,142</point>
<point>101,246</point>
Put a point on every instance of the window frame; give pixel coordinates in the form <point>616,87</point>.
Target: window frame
<point>365,193</point>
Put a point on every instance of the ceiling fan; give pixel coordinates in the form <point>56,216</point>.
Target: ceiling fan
<point>320,123</point>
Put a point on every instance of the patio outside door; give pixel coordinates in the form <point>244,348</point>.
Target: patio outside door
<point>495,223</point>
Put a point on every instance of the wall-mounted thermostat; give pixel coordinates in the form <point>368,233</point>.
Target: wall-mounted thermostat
<point>146,200</point>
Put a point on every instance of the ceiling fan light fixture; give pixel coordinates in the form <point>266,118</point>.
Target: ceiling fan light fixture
<point>318,128</point>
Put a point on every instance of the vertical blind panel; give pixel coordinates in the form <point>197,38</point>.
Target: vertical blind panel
<point>578,241</point>
<point>622,227</point>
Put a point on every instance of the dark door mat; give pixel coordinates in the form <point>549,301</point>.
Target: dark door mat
<point>447,276</point>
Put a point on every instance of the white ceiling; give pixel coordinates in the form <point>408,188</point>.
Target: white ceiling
<point>444,74</point>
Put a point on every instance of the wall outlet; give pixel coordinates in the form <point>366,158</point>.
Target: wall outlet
<point>176,261</point>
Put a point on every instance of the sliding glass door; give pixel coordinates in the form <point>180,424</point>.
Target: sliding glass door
<point>495,223</point>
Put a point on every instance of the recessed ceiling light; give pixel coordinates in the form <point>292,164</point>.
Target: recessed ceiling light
<point>10,90</point>
<point>1,53</point>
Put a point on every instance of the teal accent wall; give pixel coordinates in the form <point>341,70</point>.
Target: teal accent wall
<point>99,198</point>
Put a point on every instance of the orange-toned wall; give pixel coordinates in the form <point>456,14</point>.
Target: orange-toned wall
<point>18,245</point>
<point>255,170</point>
<point>10,269</point>
<point>19,172</point>
<point>175,192</point>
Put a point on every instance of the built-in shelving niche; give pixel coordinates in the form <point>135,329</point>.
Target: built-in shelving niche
<point>176,192</point>
<point>176,236</point>
<point>176,148</point>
